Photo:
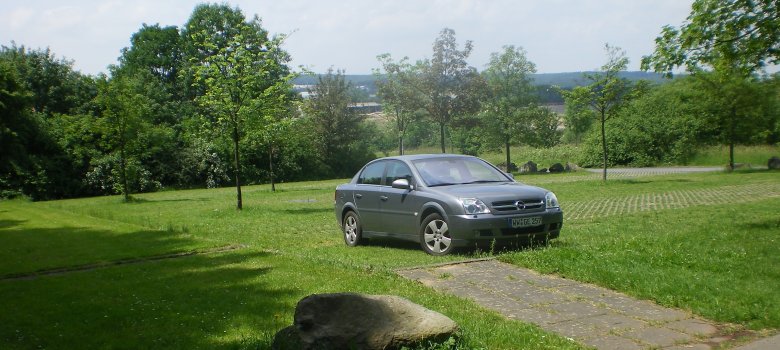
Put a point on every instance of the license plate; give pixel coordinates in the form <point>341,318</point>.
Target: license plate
<point>525,222</point>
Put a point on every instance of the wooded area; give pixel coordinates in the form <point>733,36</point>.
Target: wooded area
<point>212,104</point>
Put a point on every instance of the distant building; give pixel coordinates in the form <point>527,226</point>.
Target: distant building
<point>366,107</point>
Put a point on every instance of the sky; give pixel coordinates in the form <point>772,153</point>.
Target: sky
<point>558,35</point>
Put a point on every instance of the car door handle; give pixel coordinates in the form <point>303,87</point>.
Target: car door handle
<point>358,195</point>
<point>384,198</point>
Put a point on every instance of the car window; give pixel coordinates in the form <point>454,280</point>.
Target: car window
<point>453,171</point>
<point>478,170</point>
<point>372,174</point>
<point>397,170</point>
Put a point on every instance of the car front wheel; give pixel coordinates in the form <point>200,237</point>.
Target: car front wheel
<point>353,232</point>
<point>435,236</point>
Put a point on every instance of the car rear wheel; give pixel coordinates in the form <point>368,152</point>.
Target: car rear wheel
<point>435,236</point>
<point>353,232</point>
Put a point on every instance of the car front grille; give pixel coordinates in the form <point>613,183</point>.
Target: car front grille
<point>518,206</point>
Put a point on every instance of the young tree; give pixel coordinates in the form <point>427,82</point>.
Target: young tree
<point>242,72</point>
<point>733,38</point>
<point>450,87</point>
<point>339,130</point>
<point>606,94</point>
<point>124,111</point>
<point>511,96</point>
<point>398,94</point>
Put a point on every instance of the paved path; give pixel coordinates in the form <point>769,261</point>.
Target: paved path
<point>591,315</point>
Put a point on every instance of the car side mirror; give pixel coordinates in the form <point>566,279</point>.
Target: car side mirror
<point>510,175</point>
<point>402,184</point>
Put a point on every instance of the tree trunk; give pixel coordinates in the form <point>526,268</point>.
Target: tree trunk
<point>731,138</point>
<point>441,129</point>
<point>271,167</point>
<point>731,156</point>
<point>239,204</point>
<point>123,165</point>
<point>506,143</point>
<point>604,147</point>
<point>401,145</point>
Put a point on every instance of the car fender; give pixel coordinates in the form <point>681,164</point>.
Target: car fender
<point>432,206</point>
<point>346,207</point>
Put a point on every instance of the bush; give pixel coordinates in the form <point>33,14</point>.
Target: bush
<point>662,127</point>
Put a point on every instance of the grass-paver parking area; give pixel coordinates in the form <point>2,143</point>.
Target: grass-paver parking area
<point>679,199</point>
<point>715,260</point>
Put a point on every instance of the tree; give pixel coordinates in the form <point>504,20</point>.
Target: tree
<point>398,94</point>
<point>158,51</point>
<point>339,131</point>
<point>511,96</point>
<point>742,33</point>
<point>43,169</point>
<point>450,87</point>
<point>124,112</point>
<point>734,39</point>
<point>606,94</point>
<point>242,72</point>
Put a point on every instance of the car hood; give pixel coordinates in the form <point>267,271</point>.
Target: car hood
<point>493,191</point>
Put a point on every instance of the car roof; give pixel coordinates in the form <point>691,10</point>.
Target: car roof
<point>412,157</point>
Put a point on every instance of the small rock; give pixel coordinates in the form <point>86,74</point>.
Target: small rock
<point>773,163</point>
<point>543,170</point>
<point>571,167</point>
<point>512,166</point>
<point>556,168</point>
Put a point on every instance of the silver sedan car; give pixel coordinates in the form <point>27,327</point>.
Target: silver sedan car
<point>444,201</point>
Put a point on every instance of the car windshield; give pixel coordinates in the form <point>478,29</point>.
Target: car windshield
<point>456,171</point>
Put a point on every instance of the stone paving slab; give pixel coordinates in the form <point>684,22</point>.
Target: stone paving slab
<point>589,314</point>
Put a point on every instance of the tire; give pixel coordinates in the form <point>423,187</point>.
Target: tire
<point>353,232</point>
<point>435,236</point>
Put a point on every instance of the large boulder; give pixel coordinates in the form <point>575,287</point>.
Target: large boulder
<point>529,167</point>
<point>773,163</point>
<point>356,321</point>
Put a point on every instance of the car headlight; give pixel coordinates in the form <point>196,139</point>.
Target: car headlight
<point>474,206</point>
<point>551,200</point>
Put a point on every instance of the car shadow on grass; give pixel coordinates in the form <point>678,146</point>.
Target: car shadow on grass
<point>468,252</point>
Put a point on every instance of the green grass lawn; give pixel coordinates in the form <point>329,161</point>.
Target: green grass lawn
<point>718,260</point>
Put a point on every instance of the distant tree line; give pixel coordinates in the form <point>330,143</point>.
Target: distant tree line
<point>213,103</point>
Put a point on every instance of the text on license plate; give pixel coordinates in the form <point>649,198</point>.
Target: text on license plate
<point>525,222</point>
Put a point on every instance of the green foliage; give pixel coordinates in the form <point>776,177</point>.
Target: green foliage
<point>606,95</point>
<point>402,103</point>
<point>242,72</point>
<point>451,88</point>
<point>54,85</point>
<point>662,126</point>
<point>340,134</point>
<point>507,106</point>
<point>741,34</point>
<point>30,158</point>
<point>578,116</point>
<point>734,39</point>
